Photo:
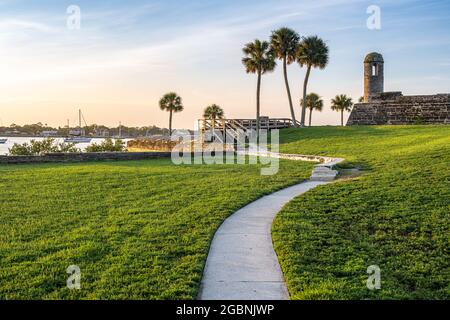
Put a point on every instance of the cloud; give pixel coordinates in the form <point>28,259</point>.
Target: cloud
<point>14,25</point>
<point>133,51</point>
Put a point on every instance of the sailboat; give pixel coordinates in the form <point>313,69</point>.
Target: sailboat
<point>77,140</point>
<point>78,136</point>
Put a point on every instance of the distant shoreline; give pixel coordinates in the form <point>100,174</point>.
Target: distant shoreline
<point>64,137</point>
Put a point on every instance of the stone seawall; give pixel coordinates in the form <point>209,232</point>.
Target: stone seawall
<point>394,108</point>
<point>83,157</point>
<point>93,156</point>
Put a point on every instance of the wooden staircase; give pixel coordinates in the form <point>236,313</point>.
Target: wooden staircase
<point>225,130</point>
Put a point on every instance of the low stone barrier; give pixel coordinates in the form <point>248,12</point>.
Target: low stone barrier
<point>83,157</point>
<point>94,156</point>
<point>396,109</point>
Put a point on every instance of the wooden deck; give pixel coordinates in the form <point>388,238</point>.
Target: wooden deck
<point>230,127</point>
<point>246,124</point>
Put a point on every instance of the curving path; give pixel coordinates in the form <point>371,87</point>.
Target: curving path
<point>242,264</point>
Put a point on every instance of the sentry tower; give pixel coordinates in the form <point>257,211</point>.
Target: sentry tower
<point>373,75</point>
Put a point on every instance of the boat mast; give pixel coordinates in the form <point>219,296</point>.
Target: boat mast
<point>80,120</point>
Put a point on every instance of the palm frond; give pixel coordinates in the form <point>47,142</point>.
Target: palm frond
<point>341,102</point>
<point>313,101</point>
<point>284,43</point>
<point>313,51</point>
<point>171,102</point>
<point>213,112</point>
<point>258,57</point>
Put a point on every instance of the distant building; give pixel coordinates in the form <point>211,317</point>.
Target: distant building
<point>381,107</point>
<point>14,132</point>
<point>49,133</point>
<point>104,133</point>
<point>76,132</point>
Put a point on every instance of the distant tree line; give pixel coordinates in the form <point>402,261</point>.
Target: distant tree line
<point>92,130</point>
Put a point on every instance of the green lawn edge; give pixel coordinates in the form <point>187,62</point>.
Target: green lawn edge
<point>396,215</point>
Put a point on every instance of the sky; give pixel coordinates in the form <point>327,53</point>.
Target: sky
<point>127,54</point>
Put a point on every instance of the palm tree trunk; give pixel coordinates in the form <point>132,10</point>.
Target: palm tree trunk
<point>289,92</point>
<point>342,117</point>
<point>310,116</point>
<point>258,106</point>
<point>213,128</point>
<point>170,123</point>
<point>305,86</point>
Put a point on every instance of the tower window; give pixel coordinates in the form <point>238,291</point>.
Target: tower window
<point>374,70</point>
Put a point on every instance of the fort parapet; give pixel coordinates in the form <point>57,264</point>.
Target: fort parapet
<point>395,108</point>
<point>381,107</point>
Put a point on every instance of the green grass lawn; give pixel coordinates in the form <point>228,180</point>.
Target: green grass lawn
<point>137,230</point>
<point>396,215</point>
<point>141,230</point>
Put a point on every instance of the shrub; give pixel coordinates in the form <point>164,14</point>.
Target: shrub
<point>40,147</point>
<point>419,119</point>
<point>152,144</point>
<point>68,148</point>
<point>108,145</point>
<point>20,149</point>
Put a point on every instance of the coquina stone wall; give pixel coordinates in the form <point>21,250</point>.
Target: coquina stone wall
<point>93,156</point>
<point>394,108</point>
<point>84,157</point>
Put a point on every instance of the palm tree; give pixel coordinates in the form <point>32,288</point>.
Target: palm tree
<point>313,102</point>
<point>213,112</point>
<point>260,60</point>
<point>341,103</point>
<point>312,52</point>
<point>172,103</point>
<point>284,43</point>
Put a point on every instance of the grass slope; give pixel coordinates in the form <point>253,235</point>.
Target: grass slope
<point>396,216</point>
<point>137,230</point>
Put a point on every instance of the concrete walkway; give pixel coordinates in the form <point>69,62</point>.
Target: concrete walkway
<point>242,264</point>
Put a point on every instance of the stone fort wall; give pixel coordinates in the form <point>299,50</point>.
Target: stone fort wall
<point>98,156</point>
<point>84,157</point>
<point>394,108</point>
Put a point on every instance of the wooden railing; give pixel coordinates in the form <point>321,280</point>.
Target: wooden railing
<point>224,129</point>
<point>245,124</point>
